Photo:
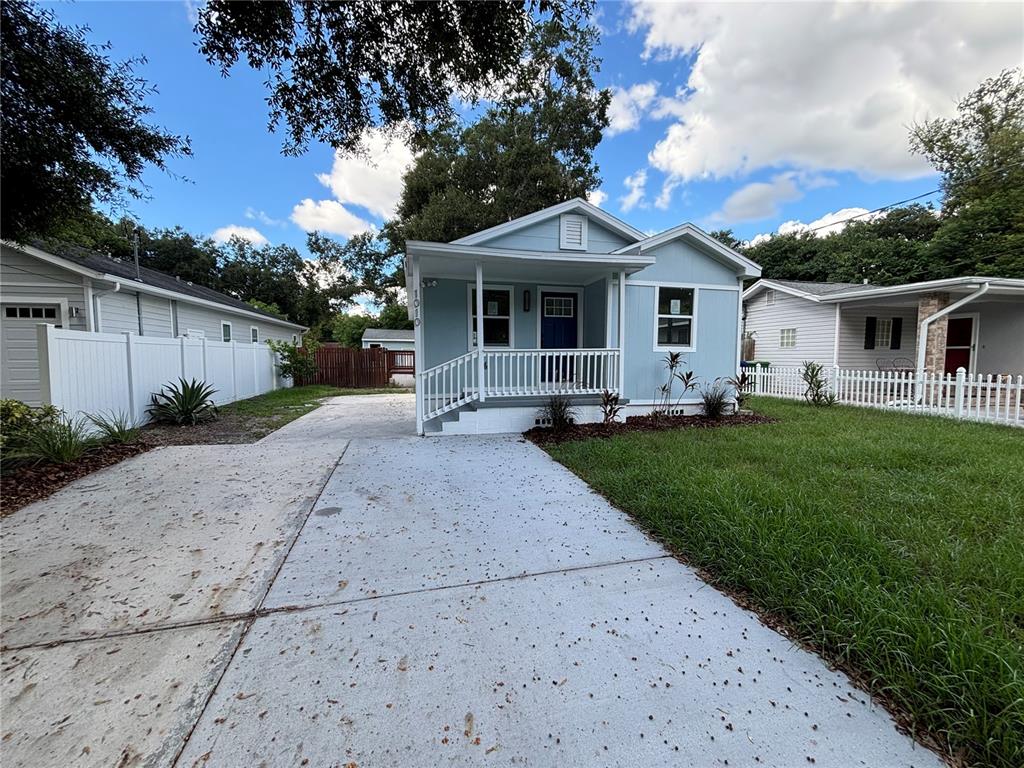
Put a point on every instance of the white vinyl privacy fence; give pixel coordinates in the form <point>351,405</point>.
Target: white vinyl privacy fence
<point>977,397</point>
<point>92,373</point>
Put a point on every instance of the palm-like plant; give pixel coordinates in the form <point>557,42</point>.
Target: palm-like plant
<point>741,384</point>
<point>187,402</point>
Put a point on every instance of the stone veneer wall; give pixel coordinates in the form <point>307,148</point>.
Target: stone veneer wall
<point>935,347</point>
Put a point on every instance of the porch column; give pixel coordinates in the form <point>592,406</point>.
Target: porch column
<point>622,332</point>
<point>416,302</point>
<point>480,329</point>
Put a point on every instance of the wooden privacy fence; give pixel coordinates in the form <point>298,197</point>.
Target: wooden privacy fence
<point>359,368</point>
<point>101,373</point>
<point>975,397</point>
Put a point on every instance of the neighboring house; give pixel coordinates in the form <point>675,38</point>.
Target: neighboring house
<point>568,300</point>
<point>82,290</point>
<point>389,339</point>
<point>975,323</point>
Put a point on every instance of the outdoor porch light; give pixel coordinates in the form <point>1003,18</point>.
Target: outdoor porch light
<point>429,283</point>
<point>526,301</point>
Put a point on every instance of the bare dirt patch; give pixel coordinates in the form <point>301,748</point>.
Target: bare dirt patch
<point>226,429</point>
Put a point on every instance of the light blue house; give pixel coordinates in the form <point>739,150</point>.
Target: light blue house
<point>568,300</point>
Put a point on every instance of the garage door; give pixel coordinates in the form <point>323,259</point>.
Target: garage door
<point>19,357</point>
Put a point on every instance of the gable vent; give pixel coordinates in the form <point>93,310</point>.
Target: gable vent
<point>573,232</point>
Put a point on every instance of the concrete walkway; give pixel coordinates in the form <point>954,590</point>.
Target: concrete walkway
<point>457,601</point>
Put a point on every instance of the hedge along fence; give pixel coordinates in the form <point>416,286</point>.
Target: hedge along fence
<point>88,373</point>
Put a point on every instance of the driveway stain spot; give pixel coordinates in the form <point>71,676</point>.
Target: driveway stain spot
<point>327,511</point>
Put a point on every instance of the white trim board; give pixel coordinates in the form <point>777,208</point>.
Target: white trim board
<point>576,205</point>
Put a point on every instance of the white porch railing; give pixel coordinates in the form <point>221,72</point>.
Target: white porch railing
<point>976,397</point>
<point>449,385</point>
<point>516,373</point>
<point>538,372</point>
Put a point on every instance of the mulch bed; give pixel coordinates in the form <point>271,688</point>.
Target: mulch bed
<point>22,485</point>
<point>645,423</point>
<point>226,429</point>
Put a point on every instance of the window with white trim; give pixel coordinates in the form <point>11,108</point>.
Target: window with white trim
<point>559,306</point>
<point>497,317</point>
<point>674,316</point>
<point>225,331</point>
<point>787,338</point>
<point>254,334</point>
<point>769,296</point>
<point>883,333</point>
<point>38,313</point>
<point>572,232</point>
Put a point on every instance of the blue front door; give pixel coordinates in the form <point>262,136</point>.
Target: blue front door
<point>559,329</point>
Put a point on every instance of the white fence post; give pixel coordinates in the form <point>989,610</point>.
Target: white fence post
<point>130,357</point>
<point>205,374</point>
<point>961,375</point>
<point>46,366</point>
<point>181,342</point>
<point>234,372</point>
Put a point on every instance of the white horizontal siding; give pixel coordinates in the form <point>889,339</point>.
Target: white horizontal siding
<point>156,316</point>
<point>852,354</point>
<point>118,312</point>
<point>25,279</point>
<point>193,317</point>
<point>814,323</point>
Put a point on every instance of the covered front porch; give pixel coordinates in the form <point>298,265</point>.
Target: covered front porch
<point>497,327</point>
<point>975,327</point>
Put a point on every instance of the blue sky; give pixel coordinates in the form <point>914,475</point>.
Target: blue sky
<point>754,117</point>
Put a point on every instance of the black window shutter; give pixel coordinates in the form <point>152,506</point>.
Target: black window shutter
<point>897,332</point>
<point>869,332</point>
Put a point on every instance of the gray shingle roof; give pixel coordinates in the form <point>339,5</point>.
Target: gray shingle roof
<point>126,269</point>
<point>819,289</point>
<point>388,334</point>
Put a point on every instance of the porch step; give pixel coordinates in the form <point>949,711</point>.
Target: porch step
<point>502,415</point>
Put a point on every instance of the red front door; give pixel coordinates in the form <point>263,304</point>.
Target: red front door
<point>959,344</point>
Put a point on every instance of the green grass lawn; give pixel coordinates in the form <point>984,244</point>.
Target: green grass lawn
<point>892,543</point>
<point>284,405</point>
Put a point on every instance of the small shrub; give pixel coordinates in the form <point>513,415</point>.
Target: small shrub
<point>611,407</point>
<point>18,421</point>
<point>559,413</point>
<point>742,385</point>
<point>297,362</point>
<point>817,391</point>
<point>119,428</point>
<point>715,397</point>
<point>187,402</point>
<point>61,441</point>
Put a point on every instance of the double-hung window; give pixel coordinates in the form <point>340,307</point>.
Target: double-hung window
<point>225,331</point>
<point>497,317</point>
<point>674,321</point>
<point>787,338</point>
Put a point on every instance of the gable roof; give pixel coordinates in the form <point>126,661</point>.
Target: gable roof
<point>705,242</point>
<point>576,205</point>
<point>100,266</point>
<point>805,289</point>
<point>388,334</point>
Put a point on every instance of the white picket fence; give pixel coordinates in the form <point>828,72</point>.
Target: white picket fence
<point>93,373</point>
<point>977,397</point>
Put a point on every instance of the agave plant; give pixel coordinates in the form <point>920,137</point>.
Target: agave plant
<point>187,402</point>
<point>119,428</point>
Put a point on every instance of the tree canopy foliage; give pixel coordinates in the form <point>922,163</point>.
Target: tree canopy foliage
<point>73,127</point>
<point>336,69</point>
<point>531,149</point>
<point>979,230</point>
<point>275,278</point>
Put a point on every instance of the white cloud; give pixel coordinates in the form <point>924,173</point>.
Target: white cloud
<point>192,10</point>
<point>760,199</point>
<point>597,197</point>
<point>835,221</point>
<point>328,216</point>
<point>262,217</point>
<point>636,184</point>
<point>251,234</point>
<point>817,86</point>
<point>628,105</point>
<point>372,180</point>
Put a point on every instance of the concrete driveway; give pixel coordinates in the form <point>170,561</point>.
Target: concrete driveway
<point>344,593</point>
